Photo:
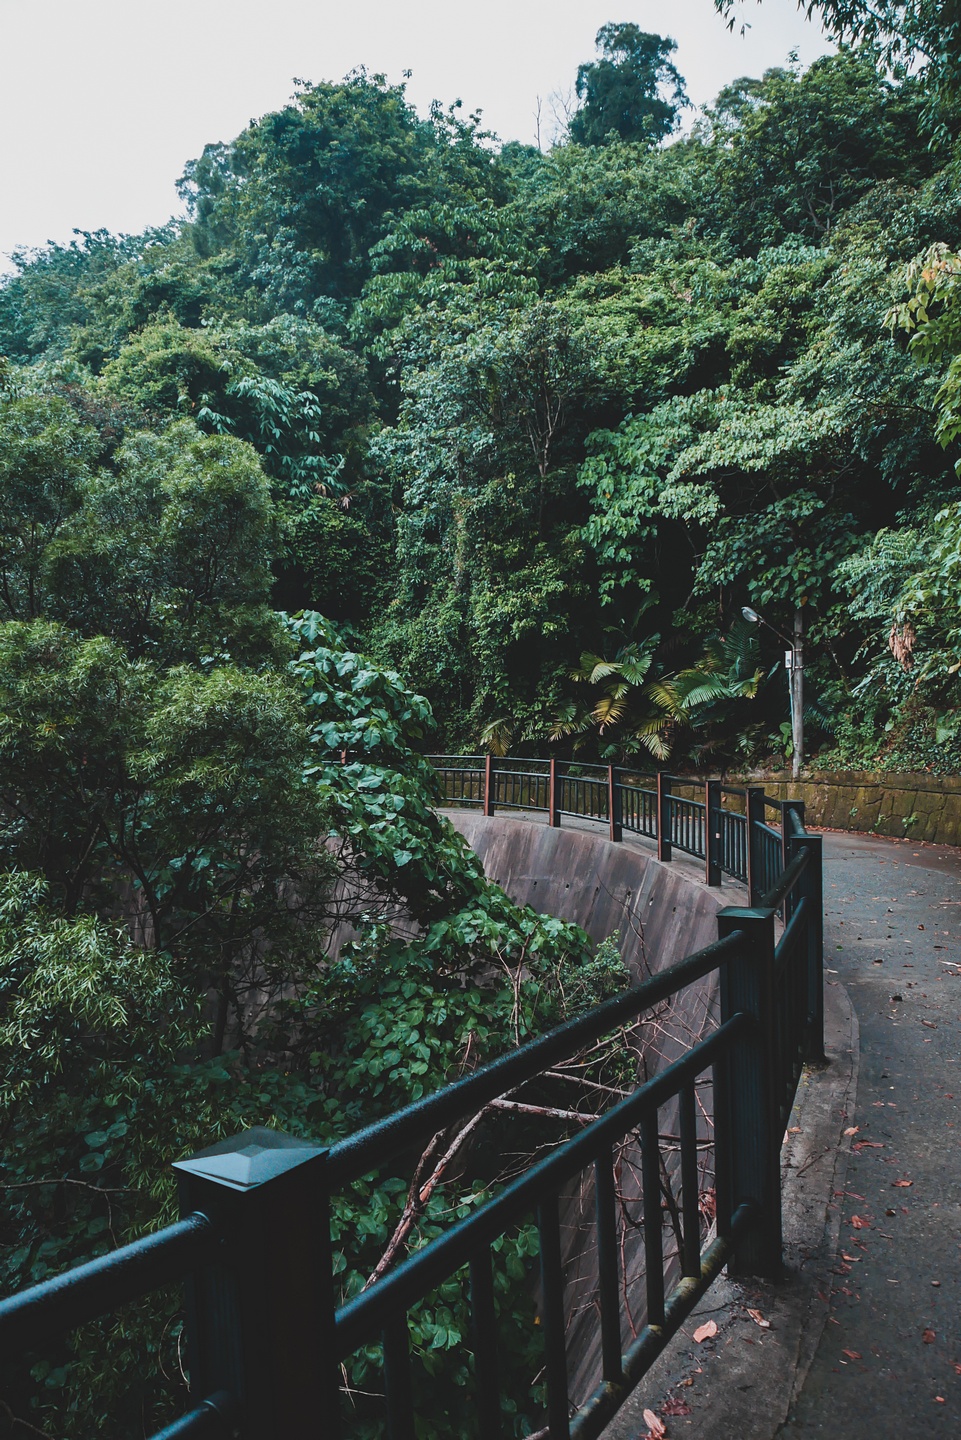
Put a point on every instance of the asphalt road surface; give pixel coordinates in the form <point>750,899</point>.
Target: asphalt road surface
<point>889,1361</point>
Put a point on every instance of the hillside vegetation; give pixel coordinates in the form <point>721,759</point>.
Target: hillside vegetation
<point>520,413</point>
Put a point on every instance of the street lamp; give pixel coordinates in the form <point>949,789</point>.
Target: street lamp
<point>794,664</point>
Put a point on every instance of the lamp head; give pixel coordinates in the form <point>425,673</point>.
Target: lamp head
<point>751,616</point>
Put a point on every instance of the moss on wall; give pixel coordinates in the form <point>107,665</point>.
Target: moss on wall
<point>919,806</point>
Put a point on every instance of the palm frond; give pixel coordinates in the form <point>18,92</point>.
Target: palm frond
<point>664,693</point>
<point>585,669</point>
<point>603,670</point>
<point>634,672</point>
<point>704,693</point>
<point>497,736</point>
<point>609,710</point>
<point>572,720</point>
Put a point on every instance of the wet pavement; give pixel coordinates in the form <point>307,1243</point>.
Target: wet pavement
<point>888,1362</point>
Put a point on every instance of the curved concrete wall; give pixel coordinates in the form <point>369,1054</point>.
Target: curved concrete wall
<point>662,911</point>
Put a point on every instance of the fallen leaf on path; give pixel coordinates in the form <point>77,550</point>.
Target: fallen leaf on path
<point>759,1319</point>
<point>902,1184</point>
<point>852,1354</point>
<point>675,1406</point>
<point>868,1145</point>
<point>706,1331</point>
<point>852,1130</point>
<point>860,1223</point>
<point>928,1337</point>
<point>656,1427</point>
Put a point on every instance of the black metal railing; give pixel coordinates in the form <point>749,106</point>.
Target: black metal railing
<point>726,826</point>
<point>268,1332</point>
<point>43,1313</point>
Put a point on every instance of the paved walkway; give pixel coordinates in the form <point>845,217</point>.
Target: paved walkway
<point>864,1330</point>
<point>889,1359</point>
<point>881,1273</point>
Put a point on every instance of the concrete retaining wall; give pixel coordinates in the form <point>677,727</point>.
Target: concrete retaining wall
<point>661,911</point>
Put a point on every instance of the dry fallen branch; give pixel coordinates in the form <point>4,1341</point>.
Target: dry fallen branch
<point>421,1190</point>
<point>549,1112</point>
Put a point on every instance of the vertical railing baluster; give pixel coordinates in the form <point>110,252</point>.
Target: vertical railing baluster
<point>614,805</point>
<point>712,847</point>
<point>723,1139</point>
<point>653,1223</point>
<point>397,1386</point>
<point>484,1322</point>
<point>552,1300</point>
<point>811,888</point>
<point>690,1207</point>
<point>663,816</point>
<point>786,855</point>
<point>754,809</point>
<point>608,1266</point>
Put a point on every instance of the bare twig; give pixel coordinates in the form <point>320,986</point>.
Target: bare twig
<point>18,1420</point>
<point>84,1184</point>
<point>421,1190</point>
<point>549,1112</point>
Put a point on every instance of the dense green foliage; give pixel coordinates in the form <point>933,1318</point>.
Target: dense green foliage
<point>517,407</point>
<point>527,429</point>
<point>194,793</point>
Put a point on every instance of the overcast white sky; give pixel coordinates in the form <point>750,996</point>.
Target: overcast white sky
<point>102,101</point>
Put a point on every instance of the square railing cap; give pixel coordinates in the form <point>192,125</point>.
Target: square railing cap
<point>249,1159</point>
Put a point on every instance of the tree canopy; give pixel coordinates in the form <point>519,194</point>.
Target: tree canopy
<point>621,93</point>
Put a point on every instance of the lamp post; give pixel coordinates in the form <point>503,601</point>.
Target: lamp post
<point>794,664</point>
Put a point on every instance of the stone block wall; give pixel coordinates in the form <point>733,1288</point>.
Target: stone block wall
<point>915,806</point>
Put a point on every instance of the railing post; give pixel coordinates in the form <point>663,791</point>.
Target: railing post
<point>797,806</point>
<point>553,803</point>
<point>712,832</point>
<point>663,816</point>
<point>260,1317</point>
<point>811,889</point>
<point>614,805</point>
<point>747,1128</point>
<point>488,785</point>
<point>787,849</point>
<point>754,809</point>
